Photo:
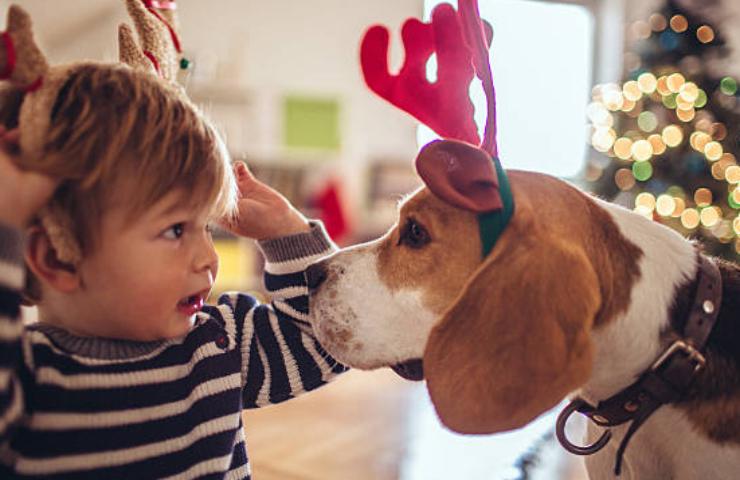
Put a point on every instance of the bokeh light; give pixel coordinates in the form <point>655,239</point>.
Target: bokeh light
<point>679,23</point>
<point>699,140</point>
<point>675,81</point>
<point>728,86</point>
<point>657,143</point>
<point>690,218</point>
<point>647,121</point>
<point>642,171</point>
<point>672,135</point>
<point>705,34</point>
<point>646,200</point>
<point>603,139</point>
<point>642,150</point>
<point>631,91</point>
<point>624,179</point>
<point>713,151</point>
<point>647,82</point>
<point>701,99</point>
<point>703,197</point>
<point>680,207</point>
<point>623,148</point>
<point>710,216</point>
<point>665,205</point>
<point>685,115</point>
<point>732,174</point>
<point>658,22</point>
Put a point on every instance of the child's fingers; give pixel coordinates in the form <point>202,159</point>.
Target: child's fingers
<point>242,172</point>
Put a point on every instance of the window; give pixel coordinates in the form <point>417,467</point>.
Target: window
<point>542,62</point>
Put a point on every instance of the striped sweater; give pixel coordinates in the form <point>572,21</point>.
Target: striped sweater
<point>78,408</point>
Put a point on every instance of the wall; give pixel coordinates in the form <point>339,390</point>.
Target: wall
<point>252,53</point>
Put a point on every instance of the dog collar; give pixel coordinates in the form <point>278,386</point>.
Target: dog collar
<point>666,381</point>
<point>492,224</point>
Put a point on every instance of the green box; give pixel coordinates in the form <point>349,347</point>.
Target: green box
<point>311,123</point>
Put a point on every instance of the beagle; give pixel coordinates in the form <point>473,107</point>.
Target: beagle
<point>579,297</point>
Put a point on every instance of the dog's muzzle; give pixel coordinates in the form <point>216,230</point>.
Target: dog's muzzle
<point>410,370</point>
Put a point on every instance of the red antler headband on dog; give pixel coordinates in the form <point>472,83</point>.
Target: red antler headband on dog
<point>472,180</point>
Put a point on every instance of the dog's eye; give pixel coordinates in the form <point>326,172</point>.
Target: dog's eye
<point>414,235</point>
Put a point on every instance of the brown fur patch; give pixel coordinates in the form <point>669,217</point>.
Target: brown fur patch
<point>442,267</point>
<point>512,342</point>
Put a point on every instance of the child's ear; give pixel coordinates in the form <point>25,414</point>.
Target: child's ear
<point>42,259</point>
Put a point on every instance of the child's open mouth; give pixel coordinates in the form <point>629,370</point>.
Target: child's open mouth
<point>191,305</point>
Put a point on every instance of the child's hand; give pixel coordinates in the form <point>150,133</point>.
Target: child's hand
<point>22,193</point>
<point>263,213</point>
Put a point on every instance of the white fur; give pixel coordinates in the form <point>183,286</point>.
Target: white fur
<point>630,344</point>
<point>382,327</point>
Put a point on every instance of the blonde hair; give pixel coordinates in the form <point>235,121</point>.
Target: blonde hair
<point>115,127</point>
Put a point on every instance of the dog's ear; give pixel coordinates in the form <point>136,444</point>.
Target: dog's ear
<point>516,341</point>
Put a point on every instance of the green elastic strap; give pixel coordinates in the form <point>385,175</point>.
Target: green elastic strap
<point>492,224</point>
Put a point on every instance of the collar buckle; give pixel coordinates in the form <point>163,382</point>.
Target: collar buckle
<point>687,349</point>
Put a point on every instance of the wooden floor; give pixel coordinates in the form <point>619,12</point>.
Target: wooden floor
<point>375,426</point>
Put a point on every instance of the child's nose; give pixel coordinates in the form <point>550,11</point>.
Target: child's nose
<point>206,257</point>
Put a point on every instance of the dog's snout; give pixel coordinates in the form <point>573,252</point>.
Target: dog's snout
<point>315,275</point>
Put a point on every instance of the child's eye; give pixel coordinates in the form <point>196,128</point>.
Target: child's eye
<point>174,232</point>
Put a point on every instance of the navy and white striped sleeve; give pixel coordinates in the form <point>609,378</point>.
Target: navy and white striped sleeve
<point>281,358</point>
<point>12,274</point>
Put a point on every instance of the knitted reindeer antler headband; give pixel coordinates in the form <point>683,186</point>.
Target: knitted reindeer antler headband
<point>475,182</point>
<point>24,65</point>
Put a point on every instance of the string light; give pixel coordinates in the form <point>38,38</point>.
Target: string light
<point>672,135</point>
<point>710,216</point>
<point>728,86</point>
<point>685,115</point>
<point>703,197</point>
<point>631,91</point>
<point>657,22</point>
<point>623,148</point>
<point>647,121</point>
<point>679,23</point>
<point>646,200</point>
<point>642,150</point>
<point>705,34</point>
<point>665,205</point>
<point>689,92</point>
<point>656,141</point>
<point>647,82</point>
<point>699,140</point>
<point>690,218</point>
<point>732,175</point>
<point>713,151</point>
<point>680,207</point>
<point>662,86</point>
<point>675,81</point>
<point>642,171</point>
<point>624,179</point>
<point>603,139</point>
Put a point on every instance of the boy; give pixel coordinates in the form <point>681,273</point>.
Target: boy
<point>127,375</point>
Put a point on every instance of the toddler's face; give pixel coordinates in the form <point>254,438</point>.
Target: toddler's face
<point>148,277</point>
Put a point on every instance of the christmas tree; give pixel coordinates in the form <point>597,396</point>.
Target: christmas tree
<point>666,141</point>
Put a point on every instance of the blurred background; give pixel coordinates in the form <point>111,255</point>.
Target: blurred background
<point>634,100</point>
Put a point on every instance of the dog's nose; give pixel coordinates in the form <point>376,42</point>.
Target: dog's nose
<point>315,276</point>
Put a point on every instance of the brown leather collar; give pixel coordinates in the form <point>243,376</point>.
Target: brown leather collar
<point>666,381</point>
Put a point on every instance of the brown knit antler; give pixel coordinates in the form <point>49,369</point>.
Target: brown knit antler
<point>159,50</point>
<point>21,61</point>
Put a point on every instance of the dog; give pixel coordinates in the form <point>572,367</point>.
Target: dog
<point>579,297</point>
